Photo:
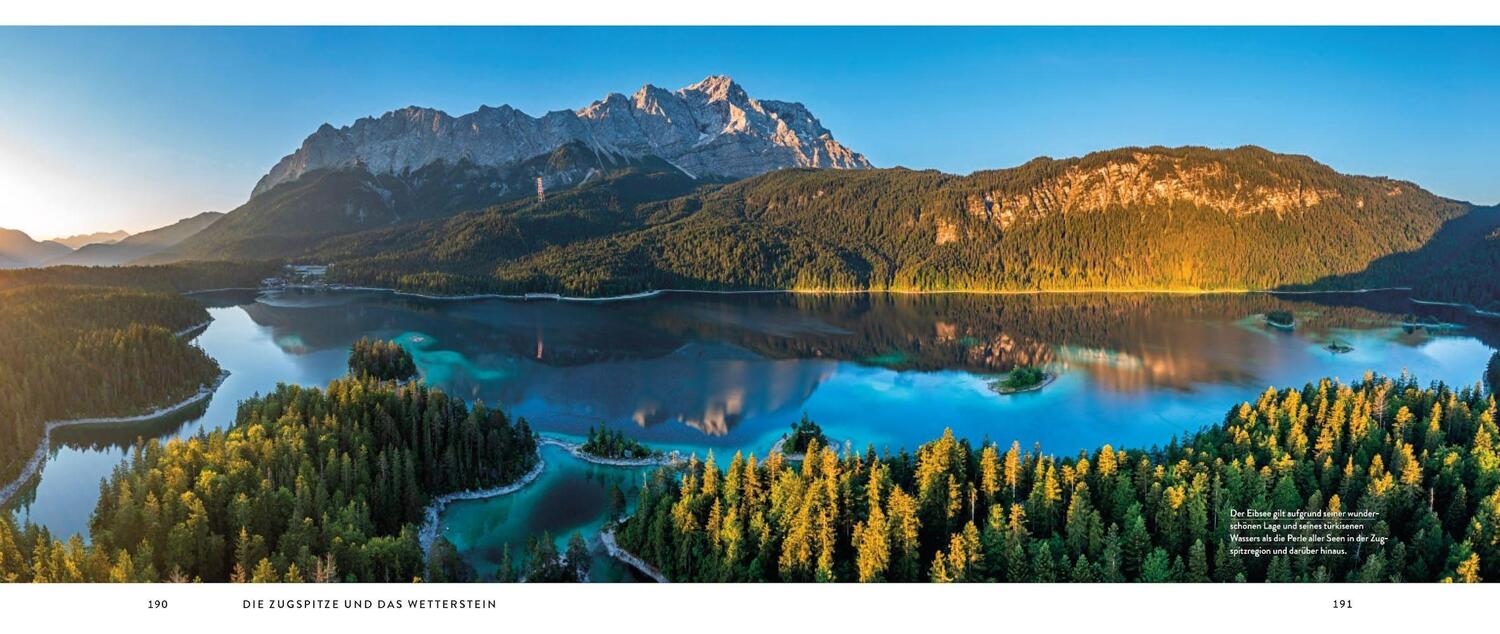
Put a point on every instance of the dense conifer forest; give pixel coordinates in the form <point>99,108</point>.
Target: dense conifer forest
<point>181,277</point>
<point>1424,459</point>
<point>1473,277</point>
<point>79,352</point>
<point>309,485</point>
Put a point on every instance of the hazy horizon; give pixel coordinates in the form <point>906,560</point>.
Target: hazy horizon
<point>133,129</point>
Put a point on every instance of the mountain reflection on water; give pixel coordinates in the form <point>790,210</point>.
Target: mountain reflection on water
<point>1127,342</point>
<point>694,372</point>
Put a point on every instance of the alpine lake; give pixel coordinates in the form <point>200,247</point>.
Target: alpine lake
<point>703,372</point>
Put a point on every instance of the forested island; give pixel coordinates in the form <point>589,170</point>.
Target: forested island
<point>615,445</point>
<point>1339,346</point>
<point>805,433</point>
<point>308,485</point>
<point>1423,459</point>
<point>381,360</point>
<point>1283,319</point>
<point>1022,379</point>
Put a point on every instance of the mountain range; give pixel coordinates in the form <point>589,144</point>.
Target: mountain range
<point>19,250</point>
<point>138,246</point>
<point>711,129</point>
<point>415,163</point>
<point>707,187</point>
<point>82,240</point>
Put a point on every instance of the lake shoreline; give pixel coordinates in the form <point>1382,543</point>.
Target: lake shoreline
<point>1468,308</point>
<point>427,534</point>
<point>540,296</point>
<point>34,465</point>
<point>194,329</point>
<point>612,547</point>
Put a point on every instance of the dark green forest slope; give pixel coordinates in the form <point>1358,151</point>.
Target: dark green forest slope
<point>180,278</point>
<point>1046,225</point>
<point>1157,218</point>
<point>1422,461</point>
<point>75,352</point>
<point>1471,277</point>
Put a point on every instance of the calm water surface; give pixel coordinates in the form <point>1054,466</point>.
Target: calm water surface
<point>729,373</point>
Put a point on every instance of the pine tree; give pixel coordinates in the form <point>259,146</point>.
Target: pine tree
<point>264,573</point>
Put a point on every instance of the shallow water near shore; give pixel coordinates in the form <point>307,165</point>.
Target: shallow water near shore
<point>729,373</point>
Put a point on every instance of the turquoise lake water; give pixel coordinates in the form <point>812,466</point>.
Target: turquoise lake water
<point>727,373</point>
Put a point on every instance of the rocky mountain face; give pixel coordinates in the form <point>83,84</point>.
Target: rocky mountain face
<point>288,220</point>
<point>710,128</point>
<point>1243,182</point>
<point>140,245</point>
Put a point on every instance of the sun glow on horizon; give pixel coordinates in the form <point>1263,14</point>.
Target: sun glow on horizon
<point>46,202</point>
<point>27,206</point>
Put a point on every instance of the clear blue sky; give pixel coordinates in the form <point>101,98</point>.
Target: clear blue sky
<point>132,128</point>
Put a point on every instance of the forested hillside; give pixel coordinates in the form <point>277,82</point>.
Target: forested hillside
<point>181,277</point>
<point>1471,277</point>
<point>1423,459</point>
<point>309,485</point>
<point>72,352</point>
<point>1133,218</point>
<point>1154,218</point>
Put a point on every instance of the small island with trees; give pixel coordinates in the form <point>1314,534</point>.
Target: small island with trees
<point>804,433</point>
<point>1022,379</point>
<point>1283,319</point>
<point>615,445</point>
<point>381,360</point>
<point>1338,346</point>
